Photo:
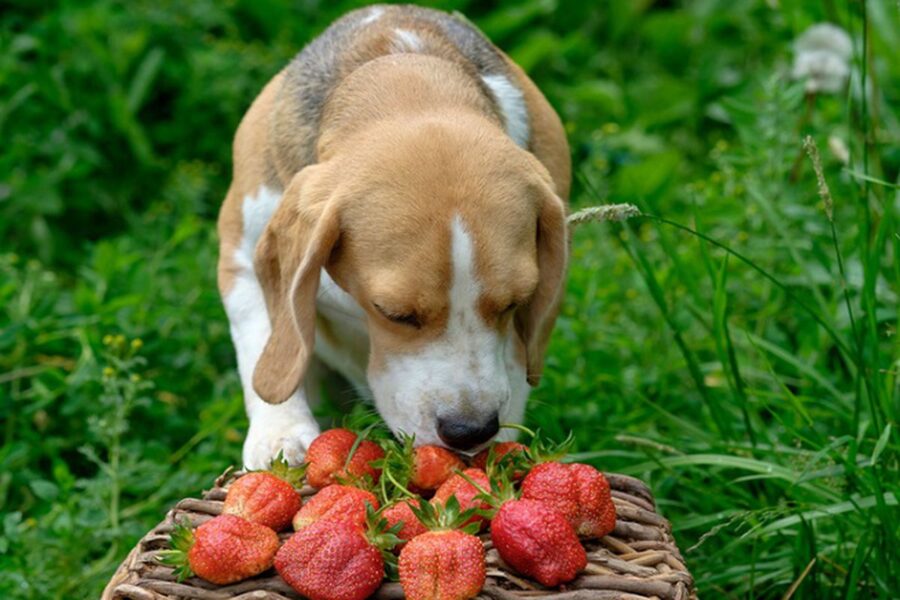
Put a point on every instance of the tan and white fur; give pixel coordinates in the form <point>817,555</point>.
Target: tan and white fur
<point>397,212</point>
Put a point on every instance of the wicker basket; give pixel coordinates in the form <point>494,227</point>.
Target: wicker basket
<point>638,561</point>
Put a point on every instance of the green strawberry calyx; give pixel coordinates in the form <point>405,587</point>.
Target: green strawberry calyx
<point>384,537</point>
<point>541,450</point>
<point>502,488</point>
<point>446,517</point>
<point>181,540</point>
<point>280,468</point>
<point>516,462</point>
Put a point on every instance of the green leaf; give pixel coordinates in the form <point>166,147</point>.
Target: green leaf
<point>827,511</point>
<point>143,79</point>
<point>45,490</point>
<point>881,444</point>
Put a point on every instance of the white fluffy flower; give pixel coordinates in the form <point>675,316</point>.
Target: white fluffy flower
<point>822,57</point>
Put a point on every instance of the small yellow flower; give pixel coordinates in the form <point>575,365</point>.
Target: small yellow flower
<point>135,378</point>
<point>168,398</point>
<point>722,145</point>
<point>107,340</point>
<point>136,344</point>
<point>41,420</point>
<point>610,128</point>
<point>109,372</point>
<point>713,380</point>
<point>120,340</point>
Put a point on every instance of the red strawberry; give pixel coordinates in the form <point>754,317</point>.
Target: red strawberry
<point>432,466</point>
<point>442,565</point>
<point>402,514</point>
<point>223,550</point>
<point>500,449</point>
<point>445,563</point>
<point>331,560</point>
<point>336,503</point>
<point>266,497</point>
<point>580,492</point>
<point>537,541</point>
<point>327,456</point>
<point>464,492</point>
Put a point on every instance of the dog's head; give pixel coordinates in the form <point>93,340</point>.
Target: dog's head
<point>453,242</point>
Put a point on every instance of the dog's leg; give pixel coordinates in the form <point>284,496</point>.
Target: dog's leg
<point>288,427</point>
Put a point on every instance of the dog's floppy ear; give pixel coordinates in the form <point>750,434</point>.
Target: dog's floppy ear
<point>534,321</point>
<point>290,255</point>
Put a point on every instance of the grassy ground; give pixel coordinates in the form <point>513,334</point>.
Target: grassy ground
<point>736,348</point>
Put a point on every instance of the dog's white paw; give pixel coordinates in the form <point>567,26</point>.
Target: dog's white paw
<point>267,438</point>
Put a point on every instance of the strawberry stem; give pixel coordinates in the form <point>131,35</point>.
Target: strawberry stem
<point>518,427</point>
<point>400,486</point>
<point>396,468</point>
<point>360,437</point>
<point>471,482</point>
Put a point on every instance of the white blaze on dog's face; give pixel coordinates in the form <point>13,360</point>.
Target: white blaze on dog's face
<point>468,376</point>
<point>454,244</point>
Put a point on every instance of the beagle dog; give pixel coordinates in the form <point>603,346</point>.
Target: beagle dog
<point>398,213</point>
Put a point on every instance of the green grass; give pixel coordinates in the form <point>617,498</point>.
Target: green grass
<point>735,347</point>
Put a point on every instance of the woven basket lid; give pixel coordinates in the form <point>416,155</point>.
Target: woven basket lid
<point>639,560</point>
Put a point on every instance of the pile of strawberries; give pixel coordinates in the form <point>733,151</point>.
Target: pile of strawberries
<point>378,500</point>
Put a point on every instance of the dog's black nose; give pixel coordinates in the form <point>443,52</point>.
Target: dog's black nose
<point>463,434</point>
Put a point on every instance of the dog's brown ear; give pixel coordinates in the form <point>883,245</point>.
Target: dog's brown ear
<point>534,321</point>
<point>290,255</point>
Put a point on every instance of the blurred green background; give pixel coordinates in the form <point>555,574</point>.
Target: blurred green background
<point>753,386</point>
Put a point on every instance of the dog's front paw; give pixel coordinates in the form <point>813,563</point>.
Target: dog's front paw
<point>266,440</point>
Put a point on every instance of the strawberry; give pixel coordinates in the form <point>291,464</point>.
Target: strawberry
<point>432,466</point>
<point>465,492</point>
<point>266,497</point>
<point>401,513</point>
<point>223,550</point>
<point>537,540</point>
<point>444,563</point>
<point>337,560</point>
<point>532,536</point>
<point>336,503</point>
<point>580,492</point>
<point>497,452</point>
<point>329,458</point>
<point>331,560</point>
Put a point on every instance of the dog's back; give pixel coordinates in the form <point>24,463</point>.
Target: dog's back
<point>367,34</point>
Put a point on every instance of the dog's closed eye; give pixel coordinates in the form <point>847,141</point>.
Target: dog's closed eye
<point>410,319</point>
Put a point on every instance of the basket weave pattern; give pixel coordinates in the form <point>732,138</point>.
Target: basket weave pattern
<point>637,561</point>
